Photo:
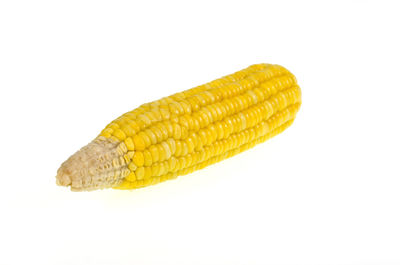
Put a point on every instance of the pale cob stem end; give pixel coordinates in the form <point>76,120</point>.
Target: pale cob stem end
<point>98,165</point>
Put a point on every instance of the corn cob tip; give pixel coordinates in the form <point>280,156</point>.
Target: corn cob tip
<point>93,167</point>
<point>63,179</point>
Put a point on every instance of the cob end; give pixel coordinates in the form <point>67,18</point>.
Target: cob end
<point>97,165</point>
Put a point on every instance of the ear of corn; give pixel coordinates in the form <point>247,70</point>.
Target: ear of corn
<point>186,131</point>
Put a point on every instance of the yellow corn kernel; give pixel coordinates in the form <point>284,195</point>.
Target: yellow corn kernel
<point>132,166</point>
<point>162,168</point>
<point>161,152</point>
<point>155,168</point>
<point>172,145</point>
<point>178,148</point>
<point>131,176</point>
<point>166,149</point>
<point>147,172</point>
<point>113,126</point>
<point>139,143</point>
<point>163,130</point>
<point>151,135</point>
<point>107,132</point>
<point>185,149</point>
<point>177,131</point>
<point>146,139</point>
<point>148,160</point>
<point>119,134</point>
<point>129,143</point>
<point>154,153</point>
<point>172,163</point>
<point>169,128</point>
<point>190,144</point>
<point>140,173</point>
<point>138,159</point>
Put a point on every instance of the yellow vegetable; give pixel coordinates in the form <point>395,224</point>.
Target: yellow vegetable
<point>186,131</point>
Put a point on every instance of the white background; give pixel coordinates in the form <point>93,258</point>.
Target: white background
<point>326,191</point>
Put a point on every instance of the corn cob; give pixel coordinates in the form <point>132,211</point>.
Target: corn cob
<point>186,131</point>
